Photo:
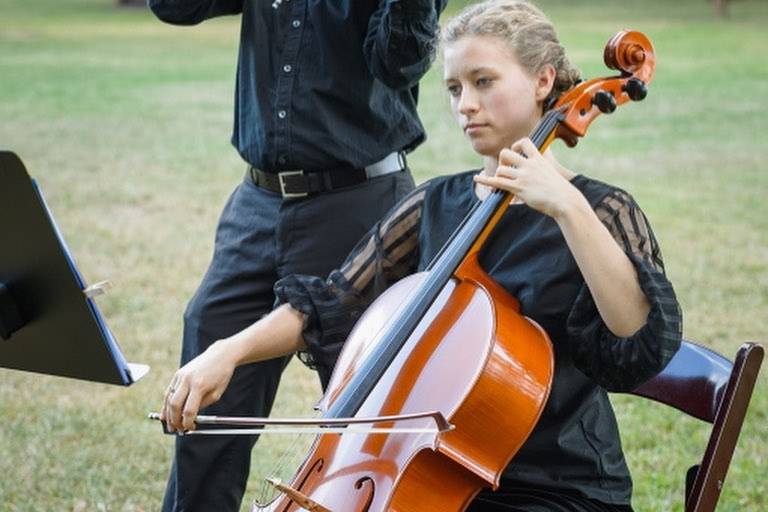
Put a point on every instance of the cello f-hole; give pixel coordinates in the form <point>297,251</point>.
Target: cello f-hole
<point>363,482</point>
<point>317,468</point>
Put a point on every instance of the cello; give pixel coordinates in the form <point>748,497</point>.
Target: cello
<point>450,346</point>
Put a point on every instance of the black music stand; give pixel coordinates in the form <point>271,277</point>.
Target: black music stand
<point>48,321</point>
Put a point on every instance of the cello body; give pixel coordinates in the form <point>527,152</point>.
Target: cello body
<point>474,358</point>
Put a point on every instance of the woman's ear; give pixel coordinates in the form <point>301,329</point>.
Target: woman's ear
<point>545,80</point>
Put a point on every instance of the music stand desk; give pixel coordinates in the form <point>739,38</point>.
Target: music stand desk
<point>47,322</point>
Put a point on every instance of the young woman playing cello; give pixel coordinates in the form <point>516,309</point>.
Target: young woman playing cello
<point>577,253</point>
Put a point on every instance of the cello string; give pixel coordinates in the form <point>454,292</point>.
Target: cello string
<point>267,490</point>
<point>277,468</point>
<point>453,235</point>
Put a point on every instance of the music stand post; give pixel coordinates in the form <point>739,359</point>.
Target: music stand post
<point>48,322</point>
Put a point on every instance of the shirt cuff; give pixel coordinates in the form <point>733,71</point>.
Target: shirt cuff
<point>328,318</point>
<point>622,363</point>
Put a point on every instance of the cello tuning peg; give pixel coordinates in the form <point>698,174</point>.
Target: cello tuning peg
<point>604,101</point>
<point>636,89</point>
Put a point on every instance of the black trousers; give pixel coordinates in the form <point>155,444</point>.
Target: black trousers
<point>260,238</point>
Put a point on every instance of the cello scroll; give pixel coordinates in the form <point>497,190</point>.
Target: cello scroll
<point>629,52</point>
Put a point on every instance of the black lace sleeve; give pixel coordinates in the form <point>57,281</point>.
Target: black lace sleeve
<point>622,364</point>
<point>386,254</point>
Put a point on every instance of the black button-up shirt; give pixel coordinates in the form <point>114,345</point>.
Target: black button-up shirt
<point>323,84</point>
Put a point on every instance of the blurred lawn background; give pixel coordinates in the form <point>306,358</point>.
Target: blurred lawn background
<point>125,122</point>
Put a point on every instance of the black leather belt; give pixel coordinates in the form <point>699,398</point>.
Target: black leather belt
<point>299,183</point>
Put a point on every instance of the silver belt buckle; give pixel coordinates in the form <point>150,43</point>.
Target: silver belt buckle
<point>281,178</point>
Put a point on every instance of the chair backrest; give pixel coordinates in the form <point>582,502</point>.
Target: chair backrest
<point>706,385</point>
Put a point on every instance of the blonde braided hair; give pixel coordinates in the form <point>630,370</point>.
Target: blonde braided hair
<point>525,30</point>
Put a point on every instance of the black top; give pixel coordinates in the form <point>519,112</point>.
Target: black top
<point>323,85</point>
<point>575,447</point>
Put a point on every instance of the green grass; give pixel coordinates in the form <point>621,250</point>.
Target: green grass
<point>125,122</point>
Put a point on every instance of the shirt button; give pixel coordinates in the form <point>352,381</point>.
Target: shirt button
<point>281,114</point>
<point>296,23</point>
<point>282,160</point>
<point>287,68</point>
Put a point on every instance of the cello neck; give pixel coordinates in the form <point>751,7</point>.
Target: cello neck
<point>462,246</point>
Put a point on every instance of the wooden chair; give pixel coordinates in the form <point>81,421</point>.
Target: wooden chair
<point>706,385</point>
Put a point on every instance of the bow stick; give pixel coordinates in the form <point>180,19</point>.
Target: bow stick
<point>311,425</point>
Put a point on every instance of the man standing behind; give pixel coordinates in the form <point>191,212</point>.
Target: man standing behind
<point>325,109</point>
